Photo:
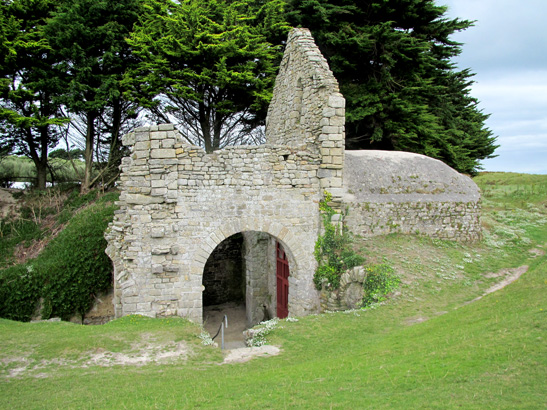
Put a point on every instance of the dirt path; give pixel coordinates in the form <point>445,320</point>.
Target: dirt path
<point>511,275</point>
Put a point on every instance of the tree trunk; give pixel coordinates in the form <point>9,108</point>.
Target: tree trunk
<point>41,174</point>
<point>205,128</point>
<point>89,142</point>
<point>39,158</point>
<point>114,154</point>
<point>217,130</point>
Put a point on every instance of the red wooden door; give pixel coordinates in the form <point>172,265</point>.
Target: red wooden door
<point>282,283</point>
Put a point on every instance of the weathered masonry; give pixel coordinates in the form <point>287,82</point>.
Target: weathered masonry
<point>181,208</point>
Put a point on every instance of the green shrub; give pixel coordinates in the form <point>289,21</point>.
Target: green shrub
<point>20,288</point>
<point>333,250</point>
<point>76,201</point>
<point>67,274</point>
<point>75,273</point>
<point>379,282</point>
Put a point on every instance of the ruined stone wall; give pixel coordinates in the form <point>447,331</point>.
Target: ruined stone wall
<point>178,203</point>
<point>259,272</point>
<point>307,108</point>
<point>444,220</point>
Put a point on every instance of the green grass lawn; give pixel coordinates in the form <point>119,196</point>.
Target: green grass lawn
<point>427,347</point>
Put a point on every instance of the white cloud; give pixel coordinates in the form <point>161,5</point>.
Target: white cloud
<point>508,52</point>
<point>507,34</point>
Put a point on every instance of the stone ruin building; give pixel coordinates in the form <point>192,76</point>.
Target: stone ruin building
<point>240,224</point>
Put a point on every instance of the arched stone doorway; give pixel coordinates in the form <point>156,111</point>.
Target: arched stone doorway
<point>241,276</point>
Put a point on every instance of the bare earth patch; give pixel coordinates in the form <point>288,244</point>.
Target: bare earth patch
<point>141,354</point>
<point>149,353</point>
<point>509,275</point>
<point>537,252</point>
<point>414,320</point>
<point>24,253</point>
<point>244,354</point>
<point>8,205</point>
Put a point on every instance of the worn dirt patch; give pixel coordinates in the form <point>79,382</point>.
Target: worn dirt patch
<point>149,353</point>
<point>24,253</point>
<point>510,275</point>
<point>414,320</point>
<point>514,274</point>
<point>537,252</point>
<point>8,205</point>
<point>244,354</point>
<point>141,354</point>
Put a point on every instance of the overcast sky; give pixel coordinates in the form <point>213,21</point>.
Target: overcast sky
<point>507,49</point>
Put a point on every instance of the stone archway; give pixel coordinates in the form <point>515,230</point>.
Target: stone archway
<point>250,256</point>
<point>223,275</point>
<point>240,282</point>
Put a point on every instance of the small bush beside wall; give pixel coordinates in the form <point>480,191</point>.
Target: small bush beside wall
<point>380,281</point>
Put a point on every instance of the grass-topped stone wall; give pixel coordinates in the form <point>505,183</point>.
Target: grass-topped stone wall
<point>401,192</point>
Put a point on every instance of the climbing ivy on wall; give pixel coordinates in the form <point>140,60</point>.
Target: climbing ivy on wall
<point>333,250</point>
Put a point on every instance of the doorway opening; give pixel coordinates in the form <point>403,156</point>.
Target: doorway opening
<point>246,279</point>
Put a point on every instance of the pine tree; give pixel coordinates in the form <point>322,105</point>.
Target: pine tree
<point>392,59</point>
<point>209,65</point>
<point>29,116</point>
<point>90,37</point>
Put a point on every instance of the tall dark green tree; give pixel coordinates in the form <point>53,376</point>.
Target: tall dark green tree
<point>208,65</point>
<point>29,116</point>
<point>90,36</point>
<point>392,59</point>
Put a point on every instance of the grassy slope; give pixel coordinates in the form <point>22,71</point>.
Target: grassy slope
<point>56,252</point>
<point>424,349</point>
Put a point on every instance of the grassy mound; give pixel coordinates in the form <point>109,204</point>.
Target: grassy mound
<point>71,268</point>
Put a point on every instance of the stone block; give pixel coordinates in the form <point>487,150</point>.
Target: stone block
<point>163,153</point>
<point>129,139</point>
<point>337,101</point>
<point>143,145</point>
<point>168,143</point>
<point>166,127</point>
<point>139,199</point>
<point>158,135</point>
<point>328,129</point>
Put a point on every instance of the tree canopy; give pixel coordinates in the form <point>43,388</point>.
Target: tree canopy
<point>90,36</point>
<point>392,59</point>
<point>29,115</point>
<point>210,64</point>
